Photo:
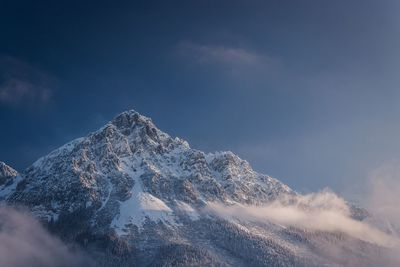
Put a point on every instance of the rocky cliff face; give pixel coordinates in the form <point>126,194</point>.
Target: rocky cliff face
<point>131,166</point>
<point>132,195</point>
<point>6,173</point>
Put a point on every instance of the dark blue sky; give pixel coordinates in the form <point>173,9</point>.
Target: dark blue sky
<point>306,91</point>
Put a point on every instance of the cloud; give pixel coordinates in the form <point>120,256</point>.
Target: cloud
<point>323,211</point>
<point>221,55</point>
<point>236,63</point>
<point>16,91</point>
<point>24,242</point>
<point>21,83</point>
<point>384,191</point>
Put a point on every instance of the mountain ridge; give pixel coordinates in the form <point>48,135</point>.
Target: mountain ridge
<point>132,195</point>
<point>103,165</point>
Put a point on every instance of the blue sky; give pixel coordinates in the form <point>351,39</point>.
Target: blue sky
<point>306,91</point>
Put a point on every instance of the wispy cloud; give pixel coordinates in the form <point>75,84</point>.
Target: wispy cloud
<point>384,191</point>
<point>24,242</point>
<point>221,55</point>
<point>239,63</point>
<point>21,83</point>
<point>16,91</point>
<point>323,211</point>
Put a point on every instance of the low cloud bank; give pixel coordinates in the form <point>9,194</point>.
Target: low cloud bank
<point>384,192</point>
<point>24,242</point>
<point>323,211</point>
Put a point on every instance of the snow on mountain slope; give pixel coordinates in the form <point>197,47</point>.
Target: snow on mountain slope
<point>139,206</point>
<point>120,173</point>
<point>9,178</point>
<point>132,195</point>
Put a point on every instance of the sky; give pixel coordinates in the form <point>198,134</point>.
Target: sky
<point>306,91</point>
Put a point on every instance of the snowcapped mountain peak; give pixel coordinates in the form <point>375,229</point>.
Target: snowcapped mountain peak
<point>132,132</point>
<point>131,122</point>
<point>130,160</point>
<point>139,197</point>
<point>130,118</point>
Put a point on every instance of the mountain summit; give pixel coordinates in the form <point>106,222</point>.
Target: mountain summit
<point>131,195</point>
<point>129,170</point>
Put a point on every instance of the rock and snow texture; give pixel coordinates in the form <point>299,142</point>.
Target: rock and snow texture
<point>135,196</point>
<point>129,170</point>
<point>6,172</point>
<point>9,178</point>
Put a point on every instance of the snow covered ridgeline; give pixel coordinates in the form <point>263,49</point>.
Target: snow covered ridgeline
<point>133,195</point>
<point>129,170</point>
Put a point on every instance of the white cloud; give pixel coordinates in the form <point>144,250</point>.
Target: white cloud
<point>24,242</point>
<point>322,211</point>
<point>238,62</point>
<point>384,192</point>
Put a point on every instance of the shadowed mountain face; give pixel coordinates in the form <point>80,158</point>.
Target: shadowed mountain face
<point>131,195</point>
<point>6,173</point>
<point>8,180</point>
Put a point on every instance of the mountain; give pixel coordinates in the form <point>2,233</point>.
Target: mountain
<point>9,179</point>
<point>6,172</point>
<point>131,195</point>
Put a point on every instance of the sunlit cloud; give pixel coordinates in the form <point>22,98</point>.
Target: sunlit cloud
<point>323,211</point>
<point>384,191</point>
